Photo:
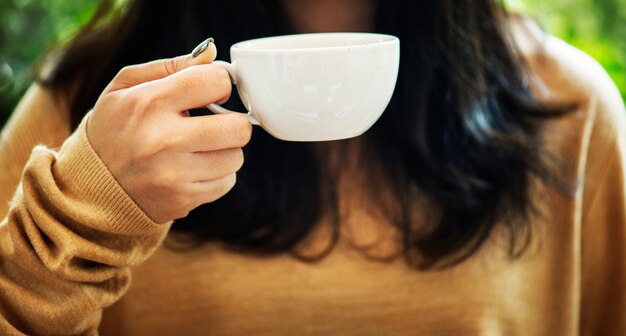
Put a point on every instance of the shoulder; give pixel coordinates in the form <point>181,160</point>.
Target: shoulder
<point>39,119</point>
<point>40,115</point>
<point>562,74</point>
<point>40,99</point>
<point>594,133</point>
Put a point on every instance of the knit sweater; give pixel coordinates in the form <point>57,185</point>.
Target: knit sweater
<point>72,240</point>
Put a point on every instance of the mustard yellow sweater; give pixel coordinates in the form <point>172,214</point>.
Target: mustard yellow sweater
<point>71,241</point>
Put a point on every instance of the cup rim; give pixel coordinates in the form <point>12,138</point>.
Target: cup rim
<point>382,39</point>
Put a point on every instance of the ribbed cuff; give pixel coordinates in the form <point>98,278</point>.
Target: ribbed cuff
<point>81,172</point>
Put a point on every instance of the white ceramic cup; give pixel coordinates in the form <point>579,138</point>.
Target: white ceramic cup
<point>314,87</point>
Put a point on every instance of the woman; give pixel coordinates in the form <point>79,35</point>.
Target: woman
<point>489,198</point>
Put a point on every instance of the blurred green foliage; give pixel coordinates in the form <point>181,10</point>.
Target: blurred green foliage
<point>30,27</point>
<point>597,27</point>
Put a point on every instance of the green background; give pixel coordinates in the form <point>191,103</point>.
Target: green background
<point>29,28</point>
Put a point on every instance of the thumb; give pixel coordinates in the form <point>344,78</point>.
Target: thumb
<point>130,76</point>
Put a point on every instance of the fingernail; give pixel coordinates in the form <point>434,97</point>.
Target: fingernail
<point>201,47</point>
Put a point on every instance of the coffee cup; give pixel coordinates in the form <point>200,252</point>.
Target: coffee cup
<point>314,87</point>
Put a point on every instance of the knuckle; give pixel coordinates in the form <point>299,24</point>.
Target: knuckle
<point>225,185</point>
<point>125,72</point>
<point>221,81</point>
<point>173,202</point>
<point>221,188</point>
<point>223,77</point>
<point>228,161</point>
<point>142,101</point>
<point>228,183</point>
<point>171,65</point>
<point>133,98</point>
<point>178,210</point>
<point>242,129</point>
<point>237,159</point>
<point>153,143</point>
<point>183,207</point>
<point>167,180</point>
<point>183,214</point>
<point>180,214</point>
<point>181,204</point>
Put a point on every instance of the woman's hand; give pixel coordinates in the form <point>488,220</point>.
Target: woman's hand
<point>168,162</point>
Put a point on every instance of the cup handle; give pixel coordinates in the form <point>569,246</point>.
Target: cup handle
<point>215,108</point>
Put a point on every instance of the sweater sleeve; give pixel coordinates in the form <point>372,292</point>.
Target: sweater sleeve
<point>68,242</point>
<point>39,119</point>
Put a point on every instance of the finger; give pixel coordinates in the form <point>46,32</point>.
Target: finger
<point>136,74</point>
<point>214,132</point>
<point>208,166</point>
<point>210,191</point>
<point>194,87</point>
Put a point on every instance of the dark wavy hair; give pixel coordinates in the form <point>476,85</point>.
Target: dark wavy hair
<point>462,131</point>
